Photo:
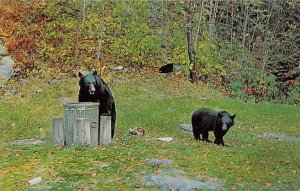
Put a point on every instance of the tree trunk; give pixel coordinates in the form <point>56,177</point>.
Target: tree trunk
<point>191,48</point>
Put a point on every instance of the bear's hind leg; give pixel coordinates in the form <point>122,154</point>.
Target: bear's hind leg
<point>205,137</point>
<point>196,133</point>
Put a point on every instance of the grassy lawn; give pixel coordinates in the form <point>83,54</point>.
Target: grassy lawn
<point>158,104</point>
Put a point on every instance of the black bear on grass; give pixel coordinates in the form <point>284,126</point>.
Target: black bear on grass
<point>94,89</point>
<point>205,120</point>
<point>168,68</point>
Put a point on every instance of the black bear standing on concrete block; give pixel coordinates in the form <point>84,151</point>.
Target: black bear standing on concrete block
<point>94,89</point>
<point>205,120</point>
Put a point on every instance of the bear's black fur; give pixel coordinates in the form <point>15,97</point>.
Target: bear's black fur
<point>205,120</point>
<point>167,68</point>
<point>94,89</point>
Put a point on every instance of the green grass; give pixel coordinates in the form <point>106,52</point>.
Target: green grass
<point>158,104</point>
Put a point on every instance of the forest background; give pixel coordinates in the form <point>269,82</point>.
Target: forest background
<point>248,49</point>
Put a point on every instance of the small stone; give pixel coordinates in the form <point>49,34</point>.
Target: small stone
<point>159,162</point>
<point>7,60</point>
<point>35,181</point>
<point>17,71</point>
<point>170,110</point>
<point>55,81</point>
<point>28,142</point>
<point>2,85</point>
<point>186,127</point>
<point>280,137</point>
<point>3,51</point>
<point>101,165</point>
<point>6,72</point>
<point>23,81</point>
<point>165,139</point>
<point>119,68</point>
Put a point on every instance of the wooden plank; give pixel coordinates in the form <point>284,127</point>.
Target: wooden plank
<point>94,133</point>
<point>58,137</point>
<point>82,134</point>
<point>105,130</point>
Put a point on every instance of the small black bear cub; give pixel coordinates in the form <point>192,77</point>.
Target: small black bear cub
<point>167,68</point>
<point>94,89</point>
<point>205,120</point>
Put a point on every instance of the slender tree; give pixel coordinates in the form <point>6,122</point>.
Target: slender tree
<point>190,41</point>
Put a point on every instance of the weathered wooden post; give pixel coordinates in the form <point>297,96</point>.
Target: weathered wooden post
<point>105,130</point>
<point>82,133</point>
<point>58,137</point>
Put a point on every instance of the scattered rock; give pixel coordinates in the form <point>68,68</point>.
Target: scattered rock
<point>165,139</point>
<point>35,181</point>
<point>210,183</point>
<point>3,51</point>
<point>171,171</point>
<point>23,81</point>
<point>137,131</point>
<point>174,179</point>
<point>55,81</point>
<point>6,71</point>
<point>121,69</point>
<point>14,91</point>
<point>37,91</point>
<point>28,142</point>
<point>279,137</point>
<point>159,162</point>
<point>182,183</point>
<point>186,127</point>
<point>2,85</point>
<point>170,110</point>
<point>7,60</point>
<point>169,182</point>
<point>102,165</point>
<point>17,71</point>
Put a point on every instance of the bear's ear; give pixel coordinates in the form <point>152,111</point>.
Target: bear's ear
<point>232,116</point>
<point>95,73</point>
<point>80,74</point>
<point>220,115</point>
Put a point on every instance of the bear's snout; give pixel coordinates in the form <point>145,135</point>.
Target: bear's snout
<point>92,89</point>
<point>224,127</point>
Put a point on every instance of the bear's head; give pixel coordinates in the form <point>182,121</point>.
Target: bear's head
<point>88,82</point>
<point>226,120</point>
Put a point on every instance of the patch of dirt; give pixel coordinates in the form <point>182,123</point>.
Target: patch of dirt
<point>280,137</point>
<point>175,179</point>
<point>28,142</point>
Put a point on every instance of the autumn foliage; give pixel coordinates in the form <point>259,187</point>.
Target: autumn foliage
<point>246,49</point>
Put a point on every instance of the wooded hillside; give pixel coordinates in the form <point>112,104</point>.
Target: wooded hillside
<point>248,49</point>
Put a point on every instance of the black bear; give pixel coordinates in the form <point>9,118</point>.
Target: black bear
<point>167,68</point>
<point>94,89</point>
<point>205,120</point>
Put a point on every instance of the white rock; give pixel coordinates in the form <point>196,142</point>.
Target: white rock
<point>6,72</point>
<point>165,139</point>
<point>3,51</point>
<point>118,68</point>
<point>35,181</point>
<point>7,60</point>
